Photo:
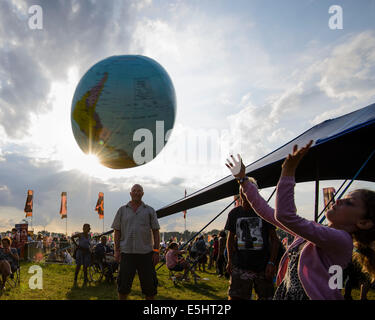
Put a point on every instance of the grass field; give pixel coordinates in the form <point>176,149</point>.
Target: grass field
<point>58,285</point>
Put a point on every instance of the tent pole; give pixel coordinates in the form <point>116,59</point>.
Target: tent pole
<point>316,193</point>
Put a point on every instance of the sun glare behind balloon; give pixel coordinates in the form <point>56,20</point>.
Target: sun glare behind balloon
<point>89,164</point>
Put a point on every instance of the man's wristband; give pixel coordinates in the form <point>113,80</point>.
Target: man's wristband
<point>271,263</point>
<point>156,251</point>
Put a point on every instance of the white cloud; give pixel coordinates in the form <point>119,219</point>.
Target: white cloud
<point>340,80</point>
<point>350,70</point>
<point>30,60</point>
<point>141,4</point>
<point>208,59</point>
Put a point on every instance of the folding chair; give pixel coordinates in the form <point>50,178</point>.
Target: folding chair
<point>175,277</point>
<point>15,278</point>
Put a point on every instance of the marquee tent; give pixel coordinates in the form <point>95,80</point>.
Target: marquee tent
<point>340,147</point>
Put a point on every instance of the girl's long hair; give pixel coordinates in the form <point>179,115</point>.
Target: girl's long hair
<point>364,240</point>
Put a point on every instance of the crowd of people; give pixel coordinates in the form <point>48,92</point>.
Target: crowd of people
<point>248,252</point>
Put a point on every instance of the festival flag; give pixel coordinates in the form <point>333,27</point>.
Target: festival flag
<point>328,194</point>
<point>100,205</point>
<point>29,204</point>
<point>185,210</point>
<point>63,206</point>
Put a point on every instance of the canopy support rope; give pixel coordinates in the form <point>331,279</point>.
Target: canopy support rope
<point>331,200</point>
<point>316,191</point>
<point>355,176</point>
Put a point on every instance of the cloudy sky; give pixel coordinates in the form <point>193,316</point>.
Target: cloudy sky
<point>249,76</point>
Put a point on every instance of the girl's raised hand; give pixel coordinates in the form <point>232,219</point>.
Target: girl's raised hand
<point>292,161</point>
<point>237,167</point>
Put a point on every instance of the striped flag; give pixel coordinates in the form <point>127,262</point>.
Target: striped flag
<point>328,194</point>
<point>100,205</point>
<point>63,206</point>
<point>185,210</point>
<point>29,204</point>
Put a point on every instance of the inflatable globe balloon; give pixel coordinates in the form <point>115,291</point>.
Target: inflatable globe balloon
<point>123,110</point>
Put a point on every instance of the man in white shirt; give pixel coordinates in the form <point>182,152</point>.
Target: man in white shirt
<point>137,241</point>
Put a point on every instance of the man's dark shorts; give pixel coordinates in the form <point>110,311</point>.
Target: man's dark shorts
<point>142,264</point>
<point>242,283</point>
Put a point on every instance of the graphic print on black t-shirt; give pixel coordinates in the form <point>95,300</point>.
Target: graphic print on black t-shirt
<point>251,250</point>
<point>249,233</point>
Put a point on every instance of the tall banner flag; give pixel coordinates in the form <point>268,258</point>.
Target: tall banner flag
<point>100,205</point>
<point>328,194</point>
<point>185,210</point>
<point>63,206</point>
<point>29,204</point>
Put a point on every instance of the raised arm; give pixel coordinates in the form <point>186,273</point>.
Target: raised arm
<point>73,238</point>
<point>250,190</point>
<point>322,236</point>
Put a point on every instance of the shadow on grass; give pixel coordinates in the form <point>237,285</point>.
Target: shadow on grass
<point>100,291</point>
<point>201,288</point>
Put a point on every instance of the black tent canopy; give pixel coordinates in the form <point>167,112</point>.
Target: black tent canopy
<point>340,147</point>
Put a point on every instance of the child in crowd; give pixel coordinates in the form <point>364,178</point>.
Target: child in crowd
<point>305,270</point>
<point>66,257</point>
<point>83,252</point>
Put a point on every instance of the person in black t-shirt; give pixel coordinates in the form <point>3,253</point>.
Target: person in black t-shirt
<point>252,247</point>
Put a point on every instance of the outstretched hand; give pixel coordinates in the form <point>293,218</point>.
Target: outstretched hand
<point>292,161</point>
<point>237,167</point>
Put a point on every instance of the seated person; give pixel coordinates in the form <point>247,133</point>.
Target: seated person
<point>105,254</point>
<point>8,260</point>
<point>175,261</point>
<point>52,257</point>
<point>102,249</point>
<point>67,258</point>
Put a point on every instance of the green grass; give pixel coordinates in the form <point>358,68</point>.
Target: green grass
<point>58,285</point>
